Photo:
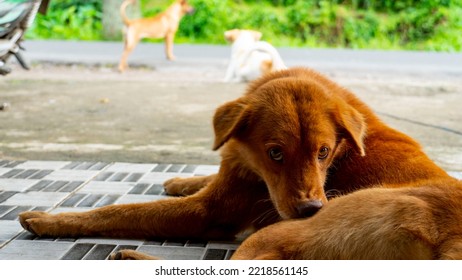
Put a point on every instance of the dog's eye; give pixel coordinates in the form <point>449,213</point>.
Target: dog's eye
<point>323,153</point>
<point>276,154</point>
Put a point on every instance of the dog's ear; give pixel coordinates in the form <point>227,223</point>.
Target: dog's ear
<point>229,119</point>
<point>231,35</point>
<point>352,126</point>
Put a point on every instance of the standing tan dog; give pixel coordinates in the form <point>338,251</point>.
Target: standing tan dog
<point>163,25</point>
<point>290,142</point>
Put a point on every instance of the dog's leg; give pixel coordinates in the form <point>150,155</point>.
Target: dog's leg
<point>131,255</point>
<point>221,210</point>
<point>187,186</point>
<point>173,217</point>
<point>169,45</point>
<point>131,40</point>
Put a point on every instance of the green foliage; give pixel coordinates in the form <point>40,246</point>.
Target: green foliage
<point>69,19</point>
<point>383,24</point>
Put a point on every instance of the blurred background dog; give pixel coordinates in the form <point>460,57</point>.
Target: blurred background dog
<point>163,25</point>
<point>250,57</point>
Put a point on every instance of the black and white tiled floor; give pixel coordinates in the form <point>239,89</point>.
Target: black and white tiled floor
<point>58,186</point>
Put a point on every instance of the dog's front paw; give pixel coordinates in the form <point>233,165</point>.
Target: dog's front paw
<point>176,186</point>
<point>35,222</point>
<point>130,255</point>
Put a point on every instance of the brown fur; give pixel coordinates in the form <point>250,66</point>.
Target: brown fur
<point>379,223</point>
<point>298,113</point>
<point>163,25</point>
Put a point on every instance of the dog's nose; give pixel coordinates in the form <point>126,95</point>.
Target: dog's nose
<point>309,208</point>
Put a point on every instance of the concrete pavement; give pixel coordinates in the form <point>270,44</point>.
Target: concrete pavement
<point>161,111</point>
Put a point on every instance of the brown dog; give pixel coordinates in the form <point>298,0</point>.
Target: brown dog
<point>377,223</point>
<point>294,137</point>
<point>163,25</point>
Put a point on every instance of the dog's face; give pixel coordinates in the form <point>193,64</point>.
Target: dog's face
<point>233,34</point>
<point>288,130</point>
<point>186,8</point>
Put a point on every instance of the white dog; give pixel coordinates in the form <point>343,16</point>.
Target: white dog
<point>250,57</point>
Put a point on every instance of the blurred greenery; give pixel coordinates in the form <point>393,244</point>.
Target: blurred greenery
<point>361,24</point>
<point>69,20</point>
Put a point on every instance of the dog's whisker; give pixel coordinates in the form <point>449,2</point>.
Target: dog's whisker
<point>269,214</point>
<point>333,193</point>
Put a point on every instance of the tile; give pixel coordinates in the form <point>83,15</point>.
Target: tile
<point>100,252</point>
<point>215,254</point>
<point>8,230</point>
<point>25,235</point>
<point>5,195</point>
<point>175,168</point>
<point>134,177</point>
<point>136,198</point>
<point>157,189</point>
<point>196,243</point>
<point>78,251</point>
<point>41,174</point>
<point>107,200</point>
<point>99,166</point>
<point>206,169</point>
<point>173,253</point>
<point>13,164</point>
<point>71,165</point>
<point>85,166</point>
<point>139,188</point>
<point>35,199</point>
<point>18,185</point>
<point>73,200</point>
<point>13,213</point>
<point>189,169</point>
<point>34,250</point>
<point>4,170</point>
<point>71,186</point>
<point>160,167</point>
<point>160,177</point>
<point>40,185</point>
<point>26,173</point>
<point>90,200</point>
<point>71,175</point>
<point>32,164</point>
<point>55,186</point>
<point>4,209</point>
<point>12,173</point>
<point>223,245</point>
<point>69,209</point>
<point>112,241</point>
<point>107,187</point>
<point>103,176</point>
<point>130,167</point>
<point>117,177</point>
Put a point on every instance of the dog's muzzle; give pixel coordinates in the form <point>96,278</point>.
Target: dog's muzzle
<point>309,208</point>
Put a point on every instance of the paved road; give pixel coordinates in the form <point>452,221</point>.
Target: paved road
<point>161,111</point>
<point>209,55</point>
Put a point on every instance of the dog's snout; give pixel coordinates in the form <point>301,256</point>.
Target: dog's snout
<point>309,208</point>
